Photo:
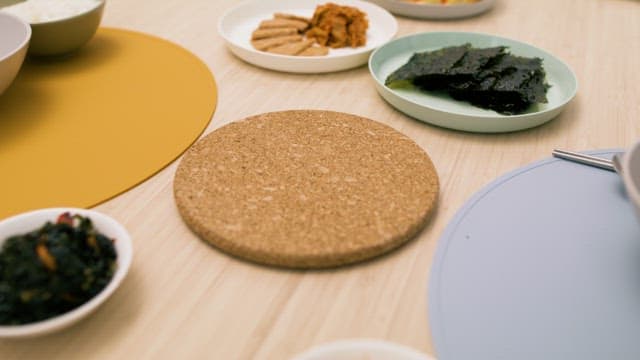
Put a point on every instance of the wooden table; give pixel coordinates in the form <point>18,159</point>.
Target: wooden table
<point>183,299</point>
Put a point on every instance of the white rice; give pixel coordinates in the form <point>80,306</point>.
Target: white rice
<point>35,11</point>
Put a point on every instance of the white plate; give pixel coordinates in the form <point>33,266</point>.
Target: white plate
<point>359,349</point>
<point>444,111</point>
<point>22,223</point>
<point>431,11</point>
<point>237,24</point>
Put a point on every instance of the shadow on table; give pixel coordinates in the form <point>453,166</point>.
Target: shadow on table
<point>31,97</point>
<point>91,334</point>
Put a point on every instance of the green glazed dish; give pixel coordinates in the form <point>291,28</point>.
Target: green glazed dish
<point>441,110</point>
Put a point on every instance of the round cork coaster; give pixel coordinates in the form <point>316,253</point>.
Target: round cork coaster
<point>306,188</point>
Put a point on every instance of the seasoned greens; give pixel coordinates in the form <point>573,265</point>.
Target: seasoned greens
<point>489,78</point>
<point>53,269</point>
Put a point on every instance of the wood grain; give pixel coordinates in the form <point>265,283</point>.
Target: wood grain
<point>184,299</point>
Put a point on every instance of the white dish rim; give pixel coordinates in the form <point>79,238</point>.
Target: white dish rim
<point>106,225</point>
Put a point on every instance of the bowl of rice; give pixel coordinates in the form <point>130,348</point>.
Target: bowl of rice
<point>58,26</point>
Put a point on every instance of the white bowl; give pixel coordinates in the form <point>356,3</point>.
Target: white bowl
<point>60,35</point>
<point>434,11</point>
<point>29,221</point>
<point>358,349</point>
<point>631,175</point>
<point>14,41</point>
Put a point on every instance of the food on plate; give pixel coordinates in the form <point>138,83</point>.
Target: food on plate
<point>284,35</point>
<point>284,23</point>
<point>332,26</point>
<point>35,11</point>
<point>490,78</point>
<point>292,48</point>
<point>442,2</point>
<point>339,26</point>
<point>265,44</point>
<point>53,269</point>
<point>270,33</point>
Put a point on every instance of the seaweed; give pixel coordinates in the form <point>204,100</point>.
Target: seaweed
<point>477,59</point>
<point>53,269</point>
<point>509,86</point>
<point>489,78</point>
<point>427,65</point>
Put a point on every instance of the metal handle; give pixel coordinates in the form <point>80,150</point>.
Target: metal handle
<point>584,159</point>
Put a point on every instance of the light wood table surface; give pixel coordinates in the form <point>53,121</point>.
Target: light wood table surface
<point>183,299</point>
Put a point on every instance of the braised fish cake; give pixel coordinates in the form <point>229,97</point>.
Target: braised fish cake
<point>292,48</point>
<point>284,23</point>
<point>274,32</point>
<point>264,44</point>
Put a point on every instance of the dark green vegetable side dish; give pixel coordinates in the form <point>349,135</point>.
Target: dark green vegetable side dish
<point>53,269</point>
<point>490,78</point>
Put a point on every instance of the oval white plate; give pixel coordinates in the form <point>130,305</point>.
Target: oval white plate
<point>237,24</point>
<point>444,111</point>
<point>32,220</point>
<point>432,11</point>
<point>357,349</point>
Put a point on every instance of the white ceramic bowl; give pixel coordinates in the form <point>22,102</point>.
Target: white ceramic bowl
<point>29,221</point>
<point>358,349</point>
<point>60,35</point>
<point>14,41</point>
<point>435,11</point>
<point>631,175</point>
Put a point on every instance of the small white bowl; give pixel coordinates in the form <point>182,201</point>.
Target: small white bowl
<point>358,349</point>
<point>631,175</point>
<point>14,41</point>
<point>60,35</point>
<point>435,11</point>
<point>33,220</point>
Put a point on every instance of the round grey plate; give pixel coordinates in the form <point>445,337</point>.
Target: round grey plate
<point>544,263</point>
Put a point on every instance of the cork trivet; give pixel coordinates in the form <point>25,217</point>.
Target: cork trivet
<point>306,188</point>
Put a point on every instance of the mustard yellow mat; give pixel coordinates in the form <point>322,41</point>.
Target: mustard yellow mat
<point>79,130</point>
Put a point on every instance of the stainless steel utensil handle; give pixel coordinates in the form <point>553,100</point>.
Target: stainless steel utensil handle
<point>584,159</point>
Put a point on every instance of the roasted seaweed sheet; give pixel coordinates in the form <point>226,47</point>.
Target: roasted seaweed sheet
<point>490,78</point>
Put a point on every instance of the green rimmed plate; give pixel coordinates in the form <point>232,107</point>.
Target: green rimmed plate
<point>442,110</point>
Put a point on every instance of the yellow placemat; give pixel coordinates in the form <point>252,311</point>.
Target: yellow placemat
<point>79,130</point>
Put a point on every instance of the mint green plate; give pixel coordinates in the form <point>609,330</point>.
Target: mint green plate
<point>442,110</point>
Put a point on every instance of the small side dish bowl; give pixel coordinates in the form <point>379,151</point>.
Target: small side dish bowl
<point>14,42</point>
<point>26,222</point>
<point>356,349</point>
<point>435,11</point>
<point>59,27</point>
<point>631,175</point>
